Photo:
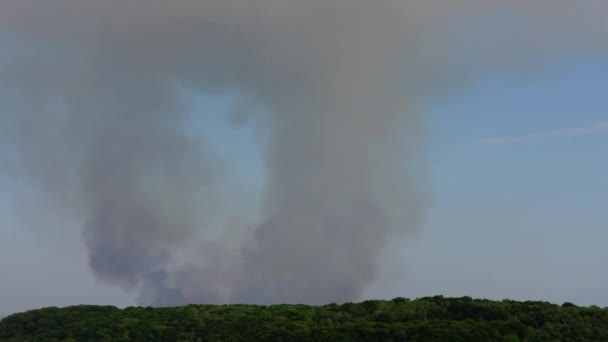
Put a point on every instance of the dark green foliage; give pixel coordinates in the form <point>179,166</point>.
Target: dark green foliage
<point>426,319</point>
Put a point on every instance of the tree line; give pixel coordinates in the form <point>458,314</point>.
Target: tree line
<point>424,319</point>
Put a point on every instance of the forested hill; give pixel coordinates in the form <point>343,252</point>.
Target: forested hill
<point>425,319</point>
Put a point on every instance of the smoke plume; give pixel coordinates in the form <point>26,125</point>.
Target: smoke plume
<point>95,115</point>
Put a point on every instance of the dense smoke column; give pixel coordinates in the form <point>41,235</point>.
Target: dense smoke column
<point>95,116</point>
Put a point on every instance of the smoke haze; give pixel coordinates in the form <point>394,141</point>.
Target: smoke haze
<point>96,115</point>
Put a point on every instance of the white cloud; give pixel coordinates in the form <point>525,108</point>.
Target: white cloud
<point>597,128</point>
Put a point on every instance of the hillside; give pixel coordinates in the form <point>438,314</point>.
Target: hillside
<point>429,319</point>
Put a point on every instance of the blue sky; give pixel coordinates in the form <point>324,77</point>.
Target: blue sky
<point>521,220</point>
<point>516,220</point>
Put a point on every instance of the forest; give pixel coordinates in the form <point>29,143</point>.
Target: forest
<point>425,319</point>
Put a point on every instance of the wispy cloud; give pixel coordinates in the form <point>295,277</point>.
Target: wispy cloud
<point>597,128</point>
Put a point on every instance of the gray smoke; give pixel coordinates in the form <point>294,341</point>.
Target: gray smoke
<point>95,115</point>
